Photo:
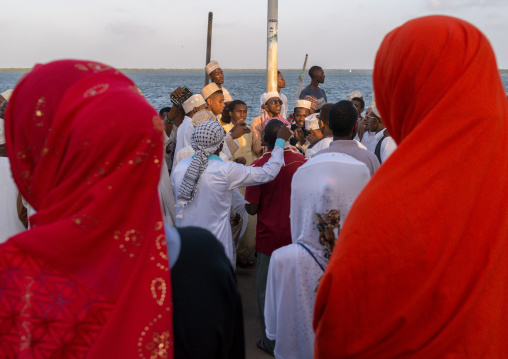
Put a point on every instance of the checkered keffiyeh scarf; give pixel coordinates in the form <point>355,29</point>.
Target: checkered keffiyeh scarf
<point>205,140</point>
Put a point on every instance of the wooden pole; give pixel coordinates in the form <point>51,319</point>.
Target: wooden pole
<point>300,78</point>
<point>272,44</point>
<point>208,44</point>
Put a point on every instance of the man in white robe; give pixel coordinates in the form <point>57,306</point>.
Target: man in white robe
<point>194,104</point>
<point>203,184</point>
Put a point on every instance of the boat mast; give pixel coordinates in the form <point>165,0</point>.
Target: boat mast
<point>272,42</point>
<point>208,44</point>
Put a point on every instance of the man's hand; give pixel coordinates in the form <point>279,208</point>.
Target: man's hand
<point>284,133</point>
<point>315,135</point>
<point>177,93</point>
<point>234,221</point>
<point>240,160</point>
<point>238,130</point>
<point>300,136</point>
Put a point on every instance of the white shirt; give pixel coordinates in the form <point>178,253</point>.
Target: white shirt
<point>10,223</point>
<point>387,146</point>
<point>283,108</point>
<point>184,133</point>
<point>211,206</point>
<point>369,141</point>
<point>321,145</point>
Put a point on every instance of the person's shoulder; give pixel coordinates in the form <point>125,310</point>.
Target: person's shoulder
<point>294,156</point>
<point>261,160</point>
<point>285,255</point>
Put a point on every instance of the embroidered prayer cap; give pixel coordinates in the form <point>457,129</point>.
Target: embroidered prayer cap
<point>352,95</point>
<point>269,95</point>
<point>209,90</point>
<point>202,116</point>
<point>212,65</point>
<point>205,140</point>
<point>193,102</point>
<point>303,104</point>
<point>7,94</point>
<point>313,101</point>
<point>283,120</point>
<point>375,111</point>
<point>312,122</point>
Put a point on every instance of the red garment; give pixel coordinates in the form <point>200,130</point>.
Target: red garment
<point>420,268</point>
<point>273,228</point>
<point>91,278</point>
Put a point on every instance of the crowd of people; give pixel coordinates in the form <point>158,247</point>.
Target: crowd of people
<point>122,228</point>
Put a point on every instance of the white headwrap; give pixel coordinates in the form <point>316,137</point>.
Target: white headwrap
<point>322,193</point>
<point>7,94</point>
<point>193,102</point>
<point>212,65</point>
<point>205,140</point>
<point>269,95</point>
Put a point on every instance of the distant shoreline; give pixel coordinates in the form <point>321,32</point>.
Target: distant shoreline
<point>21,70</point>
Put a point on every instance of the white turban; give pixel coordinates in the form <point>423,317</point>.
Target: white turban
<point>269,95</point>
<point>213,65</point>
<point>7,94</point>
<point>352,95</point>
<point>193,102</point>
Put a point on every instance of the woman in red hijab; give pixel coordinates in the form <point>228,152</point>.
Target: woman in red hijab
<point>91,278</point>
<point>420,268</point>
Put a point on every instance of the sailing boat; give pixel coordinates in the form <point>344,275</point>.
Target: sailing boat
<point>349,70</point>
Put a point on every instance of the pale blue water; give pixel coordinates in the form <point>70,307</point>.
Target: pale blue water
<point>246,86</point>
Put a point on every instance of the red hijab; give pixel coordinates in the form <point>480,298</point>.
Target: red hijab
<point>91,278</point>
<point>420,268</point>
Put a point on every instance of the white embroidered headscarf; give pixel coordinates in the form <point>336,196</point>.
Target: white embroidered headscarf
<point>322,193</point>
<point>205,140</point>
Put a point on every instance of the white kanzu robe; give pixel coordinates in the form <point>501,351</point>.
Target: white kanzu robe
<point>211,206</point>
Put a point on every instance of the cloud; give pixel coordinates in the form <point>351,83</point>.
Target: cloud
<point>460,4</point>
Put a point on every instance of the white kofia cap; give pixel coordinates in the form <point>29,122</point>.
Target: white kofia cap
<point>376,112</point>
<point>202,116</point>
<point>193,102</point>
<point>7,94</point>
<point>209,90</point>
<point>213,65</point>
<point>352,95</point>
<point>269,95</point>
<point>312,122</point>
<point>303,104</point>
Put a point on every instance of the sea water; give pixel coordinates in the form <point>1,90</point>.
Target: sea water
<point>245,86</point>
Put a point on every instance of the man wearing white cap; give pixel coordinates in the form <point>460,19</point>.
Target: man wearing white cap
<point>272,105</point>
<point>184,133</point>
<point>301,112</point>
<point>216,75</point>
<point>9,221</point>
<point>320,139</point>
<point>384,145</point>
<point>214,98</point>
<point>281,83</point>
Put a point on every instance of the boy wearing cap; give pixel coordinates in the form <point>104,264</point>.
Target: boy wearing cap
<point>216,75</point>
<point>272,106</point>
<point>184,132</point>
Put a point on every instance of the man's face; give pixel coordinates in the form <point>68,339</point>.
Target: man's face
<point>373,122</point>
<point>216,103</point>
<point>319,75</point>
<point>300,115</point>
<point>281,82</point>
<point>358,106</point>
<point>217,76</point>
<point>239,114</point>
<point>273,105</point>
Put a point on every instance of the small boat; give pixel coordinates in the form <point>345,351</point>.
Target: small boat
<point>349,70</point>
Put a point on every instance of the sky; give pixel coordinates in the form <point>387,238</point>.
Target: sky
<point>337,34</point>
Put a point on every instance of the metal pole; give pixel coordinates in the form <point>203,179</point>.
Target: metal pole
<point>208,44</point>
<point>272,42</point>
<point>300,78</point>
